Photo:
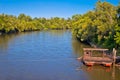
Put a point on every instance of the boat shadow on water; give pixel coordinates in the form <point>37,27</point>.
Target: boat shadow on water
<point>94,68</point>
<point>98,72</point>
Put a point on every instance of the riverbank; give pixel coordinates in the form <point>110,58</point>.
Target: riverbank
<point>14,32</point>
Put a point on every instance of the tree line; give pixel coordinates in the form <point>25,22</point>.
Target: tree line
<point>10,23</point>
<point>100,26</point>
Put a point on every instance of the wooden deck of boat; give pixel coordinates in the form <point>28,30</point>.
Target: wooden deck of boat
<point>97,60</point>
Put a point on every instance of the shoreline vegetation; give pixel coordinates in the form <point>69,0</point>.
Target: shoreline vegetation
<point>100,26</point>
<point>25,23</point>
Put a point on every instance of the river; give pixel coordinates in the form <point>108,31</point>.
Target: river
<point>47,55</point>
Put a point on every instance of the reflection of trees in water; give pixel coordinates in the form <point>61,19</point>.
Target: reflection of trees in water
<point>57,32</point>
<point>4,40</point>
<point>78,47</point>
<point>99,73</point>
<point>8,38</point>
<point>116,73</point>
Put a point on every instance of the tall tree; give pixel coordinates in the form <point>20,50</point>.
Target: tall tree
<point>117,28</point>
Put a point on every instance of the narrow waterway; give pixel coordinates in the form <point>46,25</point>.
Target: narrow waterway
<point>47,55</point>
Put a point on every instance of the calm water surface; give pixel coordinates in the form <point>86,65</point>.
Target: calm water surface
<point>47,55</point>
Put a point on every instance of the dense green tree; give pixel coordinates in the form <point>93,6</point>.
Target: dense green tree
<point>97,26</point>
<point>10,23</point>
<point>117,27</point>
<point>105,22</point>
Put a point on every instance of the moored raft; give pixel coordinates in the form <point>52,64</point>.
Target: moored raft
<point>89,59</point>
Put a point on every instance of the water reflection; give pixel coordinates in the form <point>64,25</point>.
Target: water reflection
<point>78,47</point>
<point>57,32</point>
<point>9,40</point>
<point>100,72</point>
<point>5,40</point>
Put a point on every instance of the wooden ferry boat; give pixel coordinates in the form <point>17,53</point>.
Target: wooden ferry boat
<point>89,59</point>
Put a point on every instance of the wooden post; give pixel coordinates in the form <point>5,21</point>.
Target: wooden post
<point>114,55</point>
<point>90,53</point>
<point>103,54</point>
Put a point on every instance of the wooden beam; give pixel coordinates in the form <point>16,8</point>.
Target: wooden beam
<point>95,49</point>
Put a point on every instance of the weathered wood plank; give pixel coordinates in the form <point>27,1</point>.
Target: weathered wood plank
<point>94,49</point>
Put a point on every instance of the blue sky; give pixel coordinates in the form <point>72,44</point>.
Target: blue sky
<point>48,8</point>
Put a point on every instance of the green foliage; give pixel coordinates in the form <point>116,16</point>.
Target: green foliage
<point>117,27</point>
<point>10,23</point>
<point>97,26</point>
<point>117,38</point>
